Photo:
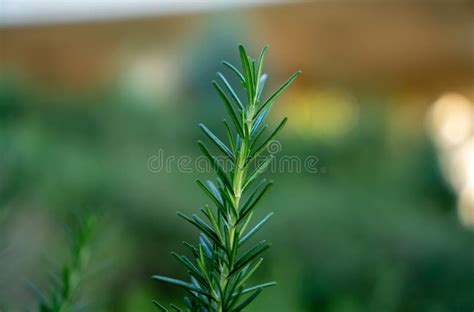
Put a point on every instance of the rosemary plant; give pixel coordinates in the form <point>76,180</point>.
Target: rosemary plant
<point>64,288</point>
<point>221,270</point>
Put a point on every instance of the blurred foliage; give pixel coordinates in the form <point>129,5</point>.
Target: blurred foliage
<point>376,230</point>
<point>64,287</point>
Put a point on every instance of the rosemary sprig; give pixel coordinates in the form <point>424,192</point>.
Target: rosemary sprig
<point>64,288</point>
<point>220,270</point>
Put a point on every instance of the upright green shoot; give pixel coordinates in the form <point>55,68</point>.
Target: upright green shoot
<point>222,265</point>
<point>63,288</point>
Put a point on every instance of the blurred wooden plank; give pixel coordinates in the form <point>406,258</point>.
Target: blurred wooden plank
<point>427,44</point>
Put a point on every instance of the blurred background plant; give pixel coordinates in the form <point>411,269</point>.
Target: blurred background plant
<point>63,291</point>
<point>90,93</point>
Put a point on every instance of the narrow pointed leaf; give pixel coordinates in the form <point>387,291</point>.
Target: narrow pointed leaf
<point>278,92</point>
<point>232,92</point>
<point>38,294</point>
<point>235,70</point>
<point>248,272</point>
<point>214,190</point>
<point>230,137</point>
<point>228,107</point>
<point>259,120</point>
<point>249,256</point>
<point>191,247</point>
<point>258,171</point>
<point>216,166</point>
<point>261,85</point>
<point>263,146</point>
<point>229,290</point>
<point>252,202</point>
<point>248,300</point>
<point>244,59</point>
<point>180,283</point>
<point>253,81</point>
<point>190,266</point>
<point>176,308</point>
<point>160,306</point>
<point>214,196</point>
<point>257,136</point>
<point>255,229</point>
<point>206,245</point>
<point>250,289</point>
<point>260,61</point>
<point>202,226</point>
<point>216,141</point>
<point>212,218</point>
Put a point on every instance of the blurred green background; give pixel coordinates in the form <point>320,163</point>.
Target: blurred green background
<point>385,104</point>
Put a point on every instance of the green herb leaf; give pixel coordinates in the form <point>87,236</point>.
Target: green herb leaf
<point>257,227</point>
<point>235,70</point>
<point>229,108</point>
<point>180,283</point>
<point>278,92</point>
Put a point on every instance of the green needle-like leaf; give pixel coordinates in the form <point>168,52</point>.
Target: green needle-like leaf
<point>263,146</point>
<point>261,85</point>
<point>180,283</point>
<point>216,166</point>
<point>259,120</point>
<point>176,308</point>
<point>258,171</point>
<point>212,194</point>
<point>191,267</point>
<point>230,137</point>
<point>247,72</point>
<point>250,256</point>
<point>160,306</point>
<point>217,141</point>
<point>247,301</point>
<point>248,271</point>
<point>278,92</point>
<point>250,289</point>
<point>235,70</point>
<point>252,202</point>
<point>260,61</point>
<point>201,225</point>
<point>232,92</point>
<point>229,108</point>
<point>257,227</point>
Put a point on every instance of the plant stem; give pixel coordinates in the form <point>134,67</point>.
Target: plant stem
<point>239,176</point>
